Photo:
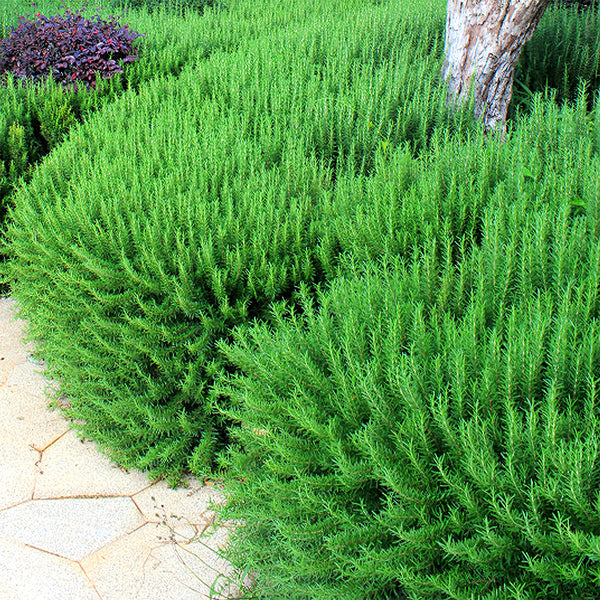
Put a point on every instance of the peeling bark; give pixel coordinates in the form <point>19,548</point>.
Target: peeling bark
<point>484,39</point>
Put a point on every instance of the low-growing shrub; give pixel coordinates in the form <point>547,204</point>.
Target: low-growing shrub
<point>34,120</point>
<point>187,208</point>
<point>427,426</point>
<point>163,258</point>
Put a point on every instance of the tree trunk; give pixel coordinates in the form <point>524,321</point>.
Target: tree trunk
<point>484,39</point>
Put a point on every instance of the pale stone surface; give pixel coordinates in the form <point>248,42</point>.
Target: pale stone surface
<point>75,467</point>
<point>23,406</point>
<point>71,527</point>
<point>191,503</point>
<point>17,470</point>
<point>27,375</point>
<point>27,417</point>
<point>7,364</point>
<point>12,351</point>
<point>159,568</point>
<point>12,329</point>
<point>13,348</point>
<point>30,574</point>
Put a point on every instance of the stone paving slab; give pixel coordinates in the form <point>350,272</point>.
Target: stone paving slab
<point>27,375</point>
<point>75,467</point>
<point>26,416</point>
<point>6,366</point>
<point>17,470</point>
<point>12,329</point>
<point>70,527</point>
<point>161,502</point>
<point>159,568</point>
<point>29,574</point>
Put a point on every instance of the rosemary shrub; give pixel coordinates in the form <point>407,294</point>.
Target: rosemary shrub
<point>427,425</point>
<point>187,207</point>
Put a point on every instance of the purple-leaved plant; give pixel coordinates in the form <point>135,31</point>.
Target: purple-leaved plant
<point>71,46</point>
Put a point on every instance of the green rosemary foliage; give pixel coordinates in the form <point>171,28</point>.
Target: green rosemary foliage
<point>564,51</point>
<point>179,6</point>
<point>412,377</point>
<point>184,209</point>
<point>427,426</point>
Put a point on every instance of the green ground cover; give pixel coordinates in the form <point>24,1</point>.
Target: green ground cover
<point>271,254</point>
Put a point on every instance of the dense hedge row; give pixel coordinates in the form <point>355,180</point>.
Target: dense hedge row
<point>143,241</point>
<point>289,256</point>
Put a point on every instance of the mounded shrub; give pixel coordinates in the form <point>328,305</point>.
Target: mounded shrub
<point>394,449</point>
<point>186,209</point>
<point>427,425</point>
<point>149,261</point>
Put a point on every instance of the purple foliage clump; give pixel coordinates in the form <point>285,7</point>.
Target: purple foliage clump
<point>71,46</point>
